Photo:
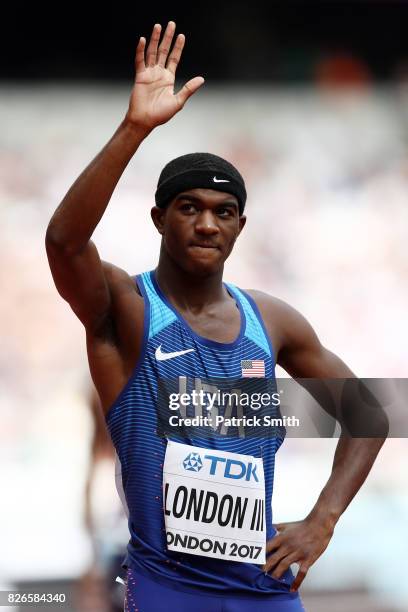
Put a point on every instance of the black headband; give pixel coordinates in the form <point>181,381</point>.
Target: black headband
<point>199,170</point>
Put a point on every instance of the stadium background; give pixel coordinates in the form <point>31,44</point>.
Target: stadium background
<point>310,101</point>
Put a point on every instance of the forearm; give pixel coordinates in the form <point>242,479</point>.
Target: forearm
<point>353,460</point>
<point>76,218</point>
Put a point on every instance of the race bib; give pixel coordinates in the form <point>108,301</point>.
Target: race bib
<point>214,503</point>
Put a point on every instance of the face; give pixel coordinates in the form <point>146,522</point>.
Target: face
<point>199,229</point>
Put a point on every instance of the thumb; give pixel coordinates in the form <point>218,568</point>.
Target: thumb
<point>189,88</point>
<point>279,526</point>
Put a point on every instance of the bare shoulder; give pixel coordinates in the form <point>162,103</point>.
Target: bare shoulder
<point>299,350</point>
<point>118,279</point>
<point>273,307</point>
<point>125,315</point>
<point>285,325</point>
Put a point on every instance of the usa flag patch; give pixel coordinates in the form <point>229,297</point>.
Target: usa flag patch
<point>253,368</point>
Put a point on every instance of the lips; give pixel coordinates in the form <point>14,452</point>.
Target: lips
<point>203,245</point>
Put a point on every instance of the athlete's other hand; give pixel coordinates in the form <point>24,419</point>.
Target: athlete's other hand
<point>153,101</point>
<point>300,542</point>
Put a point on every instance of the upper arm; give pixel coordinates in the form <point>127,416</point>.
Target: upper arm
<point>81,279</point>
<point>299,350</point>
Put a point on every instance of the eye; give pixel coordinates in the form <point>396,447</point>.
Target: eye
<point>224,211</point>
<point>188,207</point>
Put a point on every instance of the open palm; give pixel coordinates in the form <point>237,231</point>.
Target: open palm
<point>153,101</point>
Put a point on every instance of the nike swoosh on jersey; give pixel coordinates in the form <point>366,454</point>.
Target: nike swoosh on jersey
<point>160,356</point>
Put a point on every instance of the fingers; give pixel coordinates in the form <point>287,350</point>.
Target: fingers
<point>139,57</point>
<point>273,543</point>
<point>166,44</point>
<point>174,58</point>
<point>281,562</point>
<point>189,88</point>
<point>300,576</point>
<point>153,43</point>
<point>159,54</point>
<point>272,560</point>
<point>283,565</point>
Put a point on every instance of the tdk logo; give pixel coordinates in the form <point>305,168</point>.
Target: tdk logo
<point>193,462</point>
<point>233,468</point>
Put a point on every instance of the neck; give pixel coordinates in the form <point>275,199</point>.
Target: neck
<point>186,290</point>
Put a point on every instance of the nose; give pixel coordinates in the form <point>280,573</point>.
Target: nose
<point>206,223</point>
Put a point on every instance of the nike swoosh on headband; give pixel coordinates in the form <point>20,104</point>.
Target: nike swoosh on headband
<point>220,180</point>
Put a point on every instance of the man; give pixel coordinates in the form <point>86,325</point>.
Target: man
<point>182,322</point>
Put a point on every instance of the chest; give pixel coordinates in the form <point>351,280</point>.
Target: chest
<point>220,324</point>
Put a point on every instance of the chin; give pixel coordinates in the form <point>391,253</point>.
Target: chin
<point>202,266</point>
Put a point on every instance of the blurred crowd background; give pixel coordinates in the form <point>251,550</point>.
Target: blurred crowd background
<point>310,101</point>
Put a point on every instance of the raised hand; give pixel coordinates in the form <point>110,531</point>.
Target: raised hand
<point>153,101</point>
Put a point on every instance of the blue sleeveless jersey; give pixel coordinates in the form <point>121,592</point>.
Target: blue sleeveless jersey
<point>133,425</point>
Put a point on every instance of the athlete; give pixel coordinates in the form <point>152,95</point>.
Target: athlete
<point>199,506</point>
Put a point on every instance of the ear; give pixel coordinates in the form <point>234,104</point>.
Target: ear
<point>157,214</point>
<point>242,221</point>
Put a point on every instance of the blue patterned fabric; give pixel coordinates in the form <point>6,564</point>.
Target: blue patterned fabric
<point>133,425</point>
